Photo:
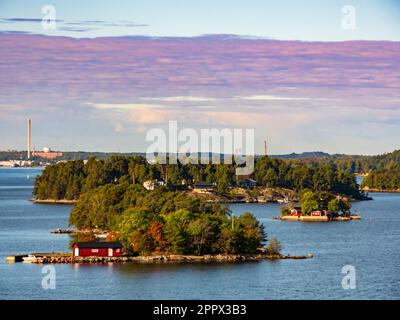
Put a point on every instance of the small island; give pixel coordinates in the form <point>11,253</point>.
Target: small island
<point>319,207</point>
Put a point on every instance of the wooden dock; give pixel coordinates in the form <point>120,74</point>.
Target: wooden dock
<point>16,258</point>
<point>37,256</point>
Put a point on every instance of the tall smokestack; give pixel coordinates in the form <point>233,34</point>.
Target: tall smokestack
<point>29,138</point>
<point>265,148</point>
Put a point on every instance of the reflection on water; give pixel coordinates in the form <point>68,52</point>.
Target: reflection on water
<point>371,245</point>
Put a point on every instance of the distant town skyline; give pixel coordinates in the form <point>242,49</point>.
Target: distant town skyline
<point>114,70</point>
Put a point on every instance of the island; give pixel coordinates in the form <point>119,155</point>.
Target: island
<point>319,207</point>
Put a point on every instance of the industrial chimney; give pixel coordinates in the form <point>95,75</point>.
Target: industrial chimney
<point>29,138</point>
<point>265,148</point>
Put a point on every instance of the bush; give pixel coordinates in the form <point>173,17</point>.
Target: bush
<point>274,247</point>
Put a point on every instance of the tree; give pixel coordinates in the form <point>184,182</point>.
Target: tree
<point>201,233</point>
<point>271,178</point>
<point>345,206</point>
<point>229,239</point>
<point>132,228</point>
<point>334,206</point>
<point>222,179</point>
<point>274,247</point>
<point>176,231</point>
<point>309,202</point>
<point>98,207</point>
<point>253,233</point>
<point>157,237</point>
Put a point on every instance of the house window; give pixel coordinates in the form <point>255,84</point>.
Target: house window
<point>95,250</point>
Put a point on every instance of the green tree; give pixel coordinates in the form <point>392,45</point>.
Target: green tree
<point>271,178</point>
<point>334,206</point>
<point>309,202</point>
<point>176,231</point>
<point>201,233</point>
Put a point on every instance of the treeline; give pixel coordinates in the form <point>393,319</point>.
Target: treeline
<point>299,175</point>
<point>67,180</point>
<point>164,221</point>
<point>386,179</point>
<point>12,155</point>
<point>364,164</point>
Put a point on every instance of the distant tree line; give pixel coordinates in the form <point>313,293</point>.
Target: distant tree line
<point>346,163</point>
<point>386,179</point>
<point>357,163</point>
<point>67,180</point>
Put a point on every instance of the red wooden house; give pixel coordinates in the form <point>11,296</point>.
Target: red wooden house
<point>97,249</point>
<point>296,211</point>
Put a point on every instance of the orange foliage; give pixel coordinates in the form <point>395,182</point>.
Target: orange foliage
<point>155,233</point>
<point>112,236</point>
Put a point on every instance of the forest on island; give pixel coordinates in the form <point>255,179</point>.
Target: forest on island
<point>163,221</point>
<point>356,163</point>
<point>68,180</point>
<point>385,179</point>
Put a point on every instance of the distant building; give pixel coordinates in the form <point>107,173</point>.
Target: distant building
<point>97,249</point>
<point>149,185</point>
<point>319,213</point>
<point>296,211</point>
<point>152,184</point>
<point>48,154</point>
<point>15,163</point>
<point>202,187</point>
<point>248,183</point>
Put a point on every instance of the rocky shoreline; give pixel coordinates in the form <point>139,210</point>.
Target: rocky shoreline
<point>380,190</point>
<point>68,258</point>
<point>316,218</point>
<point>52,201</point>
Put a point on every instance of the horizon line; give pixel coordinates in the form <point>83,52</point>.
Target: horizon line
<point>212,35</point>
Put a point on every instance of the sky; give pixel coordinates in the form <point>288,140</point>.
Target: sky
<point>310,20</point>
<point>294,71</point>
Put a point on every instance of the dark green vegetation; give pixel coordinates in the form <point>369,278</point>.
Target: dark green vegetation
<point>357,163</point>
<point>68,180</point>
<point>385,179</point>
<point>165,221</point>
<point>299,175</point>
<point>186,232</point>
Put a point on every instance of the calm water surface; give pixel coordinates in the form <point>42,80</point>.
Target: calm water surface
<point>371,246</point>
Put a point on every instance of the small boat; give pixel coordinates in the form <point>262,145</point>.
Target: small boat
<point>29,259</point>
<point>285,200</point>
